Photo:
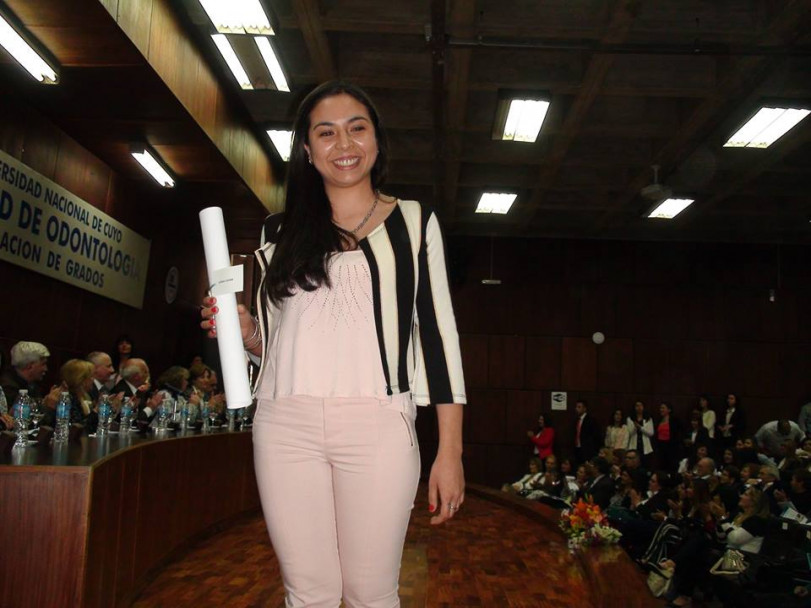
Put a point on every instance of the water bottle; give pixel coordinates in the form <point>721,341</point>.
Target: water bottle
<point>105,416</point>
<point>230,414</point>
<point>204,415</point>
<point>62,418</point>
<point>183,408</point>
<point>22,413</point>
<point>126,416</point>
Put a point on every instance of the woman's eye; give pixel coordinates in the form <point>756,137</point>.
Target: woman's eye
<point>358,128</point>
<point>325,134</point>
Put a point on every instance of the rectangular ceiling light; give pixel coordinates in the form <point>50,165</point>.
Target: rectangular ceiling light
<point>282,141</point>
<point>495,202</point>
<point>272,62</point>
<point>767,126</point>
<point>520,119</point>
<point>238,16</point>
<point>149,161</point>
<point>227,52</point>
<point>670,208</point>
<point>25,54</point>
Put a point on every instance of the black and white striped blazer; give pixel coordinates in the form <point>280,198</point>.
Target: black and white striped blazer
<point>416,327</point>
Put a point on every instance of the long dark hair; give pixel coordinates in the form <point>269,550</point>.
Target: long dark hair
<point>308,235</point>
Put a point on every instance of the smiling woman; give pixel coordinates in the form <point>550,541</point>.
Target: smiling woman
<point>355,328</point>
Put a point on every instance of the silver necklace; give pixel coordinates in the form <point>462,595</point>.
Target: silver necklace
<point>368,215</point>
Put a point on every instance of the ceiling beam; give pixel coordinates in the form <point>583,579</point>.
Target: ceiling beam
<point>308,18</point>
<point>462,18</point>
<point>622,17</point>
<point>741,77</point>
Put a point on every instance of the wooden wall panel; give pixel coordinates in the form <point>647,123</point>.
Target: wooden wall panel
<point>506,362</point>
<point>679,320</point>
<point>579,364</point>
<point>474,359</point>
<point>542,367</point>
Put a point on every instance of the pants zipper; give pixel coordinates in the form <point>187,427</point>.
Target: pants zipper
<point>408,429</point>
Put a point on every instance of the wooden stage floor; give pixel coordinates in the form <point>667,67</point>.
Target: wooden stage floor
<point>490,555</point>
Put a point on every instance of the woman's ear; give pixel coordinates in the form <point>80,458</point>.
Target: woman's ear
<point>309,157</point>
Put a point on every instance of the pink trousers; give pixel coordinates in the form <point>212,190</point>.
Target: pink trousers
<point>337,479</point>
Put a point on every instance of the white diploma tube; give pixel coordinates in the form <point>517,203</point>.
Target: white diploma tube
<point>225,282</point>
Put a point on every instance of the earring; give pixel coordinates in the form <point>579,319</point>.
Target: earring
<point>309,159</point>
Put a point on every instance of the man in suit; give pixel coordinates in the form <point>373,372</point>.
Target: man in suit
<point>102,370</point>
<point>601,488</point>
<point>586,434</point>
<point>134,384</point>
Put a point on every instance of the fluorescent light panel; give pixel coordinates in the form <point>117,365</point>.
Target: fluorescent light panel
<point>495,202</point>
<point>227,52</point>
<point>767,126</point>
<point>670,208</point>
<point>524,120</point>
<point>272,62</point>
<point>238,16</point>
<point>24,54</point>
<point>282,141</point>
<point>154,168</point>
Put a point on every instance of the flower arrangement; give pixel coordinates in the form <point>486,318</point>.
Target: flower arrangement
<point>585,524</point>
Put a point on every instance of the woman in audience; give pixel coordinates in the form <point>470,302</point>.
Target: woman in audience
<point>668,438</point>
<point>707,415</point>
<point>622,497</point>
<point>616,433</point>
<point>77,378</point>
<point>744,532</point>
<point>524,486</point>
<point>728,458</point>
<point>688,465</point>
<point>729,488</point>
<point>640,433</point>
<point>543,437</point>
<point>124,351</point>
<point>696,435</point>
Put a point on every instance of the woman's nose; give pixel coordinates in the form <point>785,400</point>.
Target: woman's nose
<point>344,141</point>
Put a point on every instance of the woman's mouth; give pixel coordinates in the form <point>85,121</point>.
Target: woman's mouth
<point>346,163</point>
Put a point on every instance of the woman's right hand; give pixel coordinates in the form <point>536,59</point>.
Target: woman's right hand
<point>209,310</point>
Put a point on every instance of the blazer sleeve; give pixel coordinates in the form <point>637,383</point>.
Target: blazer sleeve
<point>438,375</point>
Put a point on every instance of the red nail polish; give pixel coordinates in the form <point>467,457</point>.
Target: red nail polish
<point>215,310</point>
<point>213,322</point>
<point>431,508</point>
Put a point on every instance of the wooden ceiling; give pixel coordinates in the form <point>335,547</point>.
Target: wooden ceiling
<point>633,83</point>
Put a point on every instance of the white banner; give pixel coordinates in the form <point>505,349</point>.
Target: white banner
<point>45,228</point>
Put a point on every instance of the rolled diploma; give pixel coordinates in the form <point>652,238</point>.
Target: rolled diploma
<point>229,336</point>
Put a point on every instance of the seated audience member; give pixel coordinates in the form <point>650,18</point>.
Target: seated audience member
<point>798,496</point>
<point>524,486</point>
<point>103,371</point>
<point>600,488</point>
<point>732,423</point>
<point>744,532</point>
<point>728,458</point>
<point>203,382</point>
<point>640,433</point>
<point>135,384</point>
<point>729,488</point>
<point>749,475</point>
<point>648,510</point>
<point>688,465</point>
<point>668,439</point>
<point>77,378</point>
<point>616,433</point>
<point>788,460</point>
<point>633,463</point>
<point>770,483</point>
<point>622,495</point>
<point>804,451</point>
<point>575,485</point>
<point>551,483</point>
<point>745,451</point>
<point>697,434</point>
<point>708,420</point>
<point>174,382</point>
<point>542,437</point>
<point>29,364</point>
<point>774,434</point>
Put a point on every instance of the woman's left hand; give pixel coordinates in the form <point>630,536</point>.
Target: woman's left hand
<point>446,487</point>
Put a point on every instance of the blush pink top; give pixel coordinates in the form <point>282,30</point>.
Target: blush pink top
<point>325,344</point>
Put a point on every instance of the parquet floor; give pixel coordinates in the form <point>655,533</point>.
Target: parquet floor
<point>488,556</point>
